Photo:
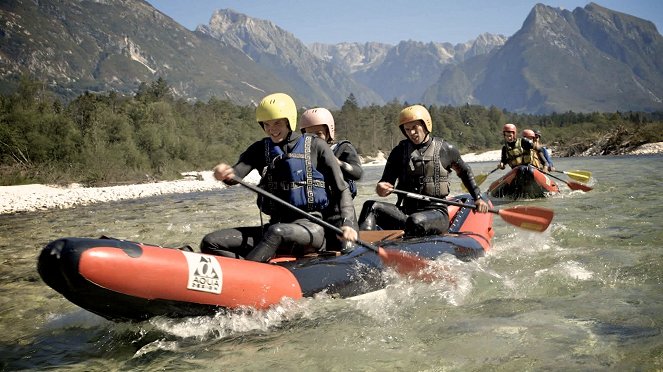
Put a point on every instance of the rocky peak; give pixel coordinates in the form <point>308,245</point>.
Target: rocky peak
<point>352,57</point>
<point>253,36</point>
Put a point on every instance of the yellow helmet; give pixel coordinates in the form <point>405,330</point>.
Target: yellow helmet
<point>416,112</point>
<point>277,106</point>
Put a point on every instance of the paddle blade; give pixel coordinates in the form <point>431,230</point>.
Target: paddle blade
<point>410,265</point>
<point>580,176</point>
<point>403,262</point>
<point>480,178</point>
<point>578,186</point>
<point>528,217</point>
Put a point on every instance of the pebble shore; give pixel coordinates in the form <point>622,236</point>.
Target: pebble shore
<point>27,198</point>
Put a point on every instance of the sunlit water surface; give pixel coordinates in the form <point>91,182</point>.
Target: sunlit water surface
<point>585,295</point>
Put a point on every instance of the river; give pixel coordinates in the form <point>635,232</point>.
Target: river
<point>587,294</point>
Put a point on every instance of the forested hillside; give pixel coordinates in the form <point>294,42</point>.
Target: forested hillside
<point>107,138</point>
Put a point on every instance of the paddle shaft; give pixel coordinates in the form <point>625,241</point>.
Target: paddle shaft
<point>530,218</point>
<point>444,201</point>
<point>493,171</point>
<point>572,185</point>
<point>304,214</point>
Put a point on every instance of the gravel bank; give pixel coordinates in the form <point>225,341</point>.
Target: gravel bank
<point>25,198</point>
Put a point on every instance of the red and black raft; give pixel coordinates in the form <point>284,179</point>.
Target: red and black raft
<point>523,182</point>
<point>129,281</point>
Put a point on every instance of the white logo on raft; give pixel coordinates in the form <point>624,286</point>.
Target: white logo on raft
<point>204,273</point>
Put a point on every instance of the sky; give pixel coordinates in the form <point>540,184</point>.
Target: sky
<point>392,21</point>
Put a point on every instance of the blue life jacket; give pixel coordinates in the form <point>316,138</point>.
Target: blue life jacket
<point>351,183</point>
<point>291,177</point>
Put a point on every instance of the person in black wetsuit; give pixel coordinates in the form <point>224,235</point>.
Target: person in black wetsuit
<point>419,164</point>
<point>300,169</point>
<point>320,121</point>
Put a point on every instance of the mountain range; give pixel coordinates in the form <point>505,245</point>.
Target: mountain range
<point>585,60</point>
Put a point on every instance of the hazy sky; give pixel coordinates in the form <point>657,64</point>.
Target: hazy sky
<point>391,21</point>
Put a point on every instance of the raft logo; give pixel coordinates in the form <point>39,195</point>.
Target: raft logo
<point>204,273</point>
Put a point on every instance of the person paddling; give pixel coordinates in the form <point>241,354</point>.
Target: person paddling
<point>544,151</point>
<point>300,169</point>
<point>515,151</point>
<point>536,154</point>
<point>421,163</point>
<point>320,121</point>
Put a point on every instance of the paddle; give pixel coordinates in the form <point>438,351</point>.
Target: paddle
<point>480,178</point>
<point>404,263</point>
<point>526,217</point>
<point>573,185</point>
<point>578,175</point>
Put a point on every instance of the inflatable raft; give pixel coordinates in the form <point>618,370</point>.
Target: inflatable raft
<point>523,182</point>
<point>130,281</point>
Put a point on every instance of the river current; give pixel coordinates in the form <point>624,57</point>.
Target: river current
<point>587,294</point>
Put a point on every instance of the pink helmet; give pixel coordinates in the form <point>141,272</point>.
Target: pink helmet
<point>528,133</point>
<point>509,128</point>
<point>317,116</point>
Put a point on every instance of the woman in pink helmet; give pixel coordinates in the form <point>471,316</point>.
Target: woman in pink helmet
<point>319,121</point>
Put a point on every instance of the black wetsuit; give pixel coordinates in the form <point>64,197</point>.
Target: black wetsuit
<point>415,216</point>
<point>352,172</point>
<point>287,230</point>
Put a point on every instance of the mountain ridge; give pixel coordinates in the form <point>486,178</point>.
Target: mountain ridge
<point>588,59</point>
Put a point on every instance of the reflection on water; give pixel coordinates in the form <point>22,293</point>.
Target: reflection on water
<point>583,295</point>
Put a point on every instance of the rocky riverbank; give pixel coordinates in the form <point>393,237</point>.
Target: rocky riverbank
<point>621,141</point>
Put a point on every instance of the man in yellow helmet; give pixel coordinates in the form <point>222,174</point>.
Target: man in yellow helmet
<point>300,169</point>
<point>419,164</point>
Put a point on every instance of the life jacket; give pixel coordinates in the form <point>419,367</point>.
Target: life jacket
<point>291,177</point>
<point>424,173</point>
<point>536,159</point>
<point>516,155</point>
<point>351,183</point>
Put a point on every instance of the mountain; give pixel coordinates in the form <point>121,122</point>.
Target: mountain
<point>588,59</point>
<point>78,46</point>
<point>591,59</point>
<point>352,57</point>
<point>404,71</point>
<point>279,52</point>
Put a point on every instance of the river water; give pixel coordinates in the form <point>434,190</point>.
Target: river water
<point>587,294</point>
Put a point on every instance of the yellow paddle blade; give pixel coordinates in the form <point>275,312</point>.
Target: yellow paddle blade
<point>479,179</point>
<point>578,175</point>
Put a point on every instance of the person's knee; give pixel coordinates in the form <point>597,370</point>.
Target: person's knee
<point>367,216</point>
<point>414,226</point>
<point>276,230</point>
<point>426,223</point>
<point>210,246</point>
<point>207,244</point>
<point>417,219</point>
